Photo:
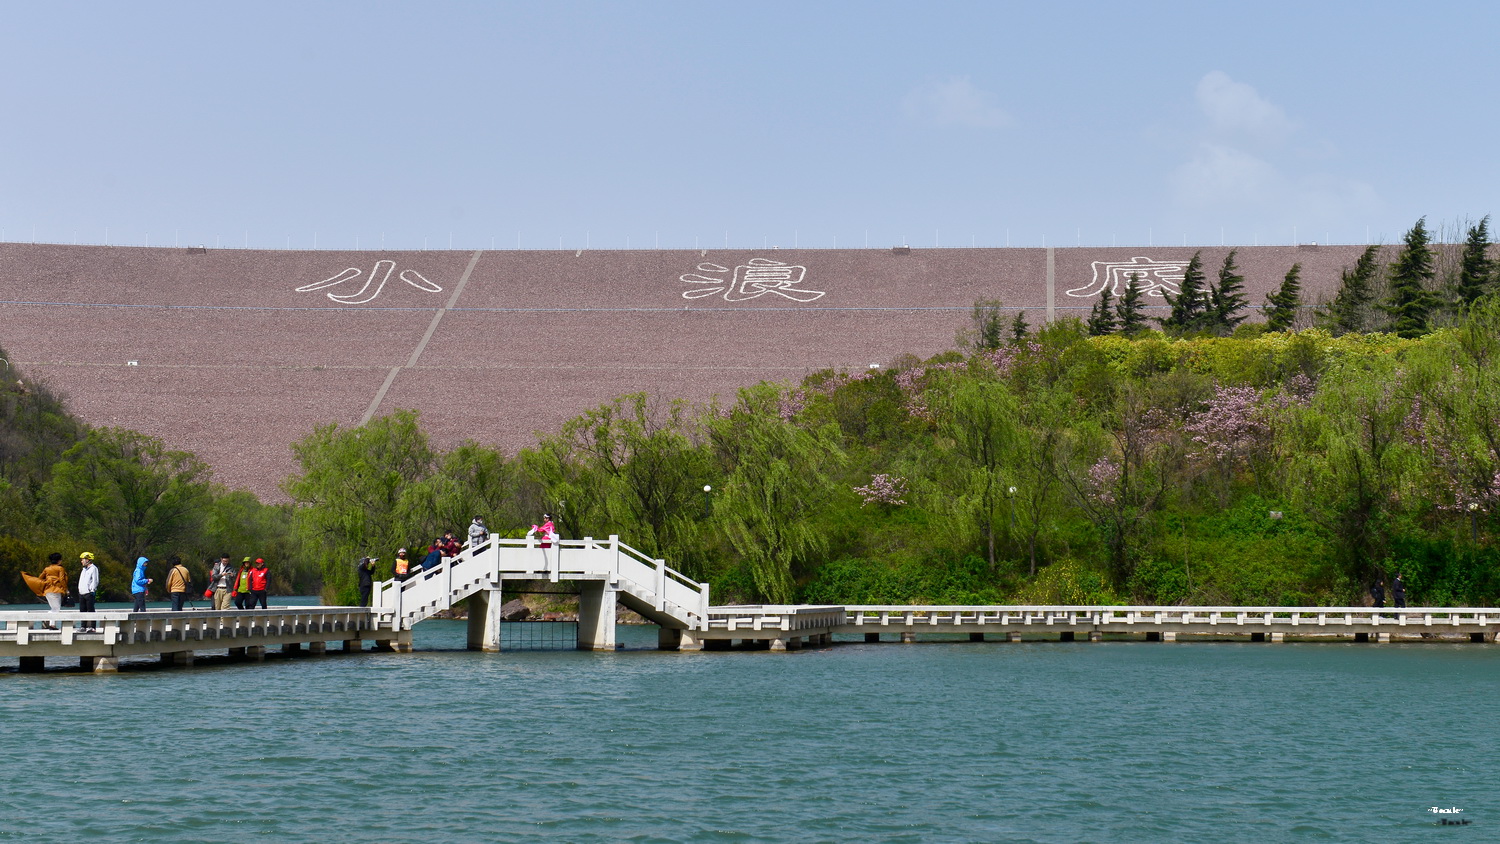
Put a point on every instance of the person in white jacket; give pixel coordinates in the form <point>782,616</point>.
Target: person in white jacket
<point>478,534</point>
<point>88,584</point>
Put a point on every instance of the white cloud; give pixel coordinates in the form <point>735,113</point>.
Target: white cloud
<point>1228,183</point>
<point>954,102</point>
<point>1247,166</point>
<point>1237,110</point>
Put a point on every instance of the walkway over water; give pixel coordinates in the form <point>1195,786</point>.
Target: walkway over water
<point>608,573</point>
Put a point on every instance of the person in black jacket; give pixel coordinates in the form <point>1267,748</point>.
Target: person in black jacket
<point>365,568</point>
<point>1398,591</point>
<point>1378,593</point>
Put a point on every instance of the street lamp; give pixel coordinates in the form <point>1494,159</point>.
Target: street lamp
<point>706,490</point>
<point>1474,521</point>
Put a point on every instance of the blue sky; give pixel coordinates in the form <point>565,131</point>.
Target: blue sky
<point>684,124</point>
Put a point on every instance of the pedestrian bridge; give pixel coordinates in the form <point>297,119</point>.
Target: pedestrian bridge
<point>608,573</point>
<point>605,573</point>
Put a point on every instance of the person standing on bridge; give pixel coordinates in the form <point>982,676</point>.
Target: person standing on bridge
<point>138,583</point>
<point>402,568</point>
<point>1377,592</point>
<point>220,579</point>
<point>1398,591</point>
<point>478,534</point>
<point>450,544</point>
<point>177,582</point>
<point>259,576</point>
<point>54,585</point>
<point>242,586</point>
<point>365,569</point>
<point>88,584</point>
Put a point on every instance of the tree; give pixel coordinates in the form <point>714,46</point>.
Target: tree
<point>776,479</point>
<point>129,493</point>
<point>1019,330</point>
<point>1476,275</point>
<point>1283,304</point>
<point>1132,308</point>
<point>1349,312</point>
<point>979,418</point>
<point>986,329</point>
<point>633,470</point>
<point>348,490</point>
<point>1227,298</point>
<point>1190,305</point>
<point>1102,316</point>
<point>1410,303</point>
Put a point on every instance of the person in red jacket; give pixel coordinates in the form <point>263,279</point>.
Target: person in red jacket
<point>259,574</point>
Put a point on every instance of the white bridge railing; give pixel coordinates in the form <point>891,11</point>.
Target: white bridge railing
<point>647,585</point>
<point>1124,618</point>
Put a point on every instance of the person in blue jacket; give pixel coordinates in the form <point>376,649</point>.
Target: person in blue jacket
<point>138,584</point>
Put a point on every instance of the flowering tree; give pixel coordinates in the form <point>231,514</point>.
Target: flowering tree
<point>883,489</point>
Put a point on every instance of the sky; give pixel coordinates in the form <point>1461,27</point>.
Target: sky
<point>610,125</point>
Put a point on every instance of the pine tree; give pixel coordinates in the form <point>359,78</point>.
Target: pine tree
<point>1191,302</point>
<point>1476,274</point>
<point>1285,301</point>
<point>1226,299</point>
<point>1348,311</point>
<point>1410,303</point>
<point>1131,310</point>
<point>1102,317</point>
<point>1018,328</point>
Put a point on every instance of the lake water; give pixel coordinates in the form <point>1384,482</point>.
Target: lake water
<point>1064,742</point>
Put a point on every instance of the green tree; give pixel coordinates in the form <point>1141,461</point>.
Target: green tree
<point>1019,330</point>
<point>635,470</point>
<point>1102,315</point>
<point>1476,275</point>
<point>1190,305</point>
<point>1349,457</point>
<point>129,493</point>
<point>1132,308</point>
<point>1410,304</point>
<point>986,329</point>
<point>776,480</point>
<point>1226,298</point>
<point>1283,304</point>
<point>979,419</point>
<point>348,489</point>
<point>1349,312</point>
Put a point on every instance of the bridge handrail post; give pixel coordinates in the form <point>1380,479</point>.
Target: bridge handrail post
<point>614,557</point>
<point>661,585</point>
<point>703,605</point>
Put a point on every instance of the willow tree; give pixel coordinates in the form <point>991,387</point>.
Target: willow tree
<point>347,491</point>
<point>776,477</point>
<point>129,493</point>
<point>1350,457</point>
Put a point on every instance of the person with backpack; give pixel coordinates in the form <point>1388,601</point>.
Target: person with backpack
<point>365,568</point>
<point>177,582</point>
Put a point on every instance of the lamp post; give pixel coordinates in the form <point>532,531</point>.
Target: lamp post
<point>706,490</point>
<point>1474,521</point>
<point>1011,494</point>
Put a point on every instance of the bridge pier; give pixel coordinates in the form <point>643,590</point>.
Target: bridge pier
<point>255,653</point>
<point>677,639</point>
<point>106,665</point>
<point>596,615</point>
<point>908,638</point>
<point>353,645</point>
<point>1013,636</point>
<point>317,648</point>
<point>1095,636</point>
<point>484,620</point>
<point>177,658</point>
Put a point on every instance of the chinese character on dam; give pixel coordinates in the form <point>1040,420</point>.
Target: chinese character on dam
<point>373,283</point>
<point>751,280</point>
<point>1155,277</point>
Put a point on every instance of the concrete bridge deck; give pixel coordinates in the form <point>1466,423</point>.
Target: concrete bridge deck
<point>100,640</point>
